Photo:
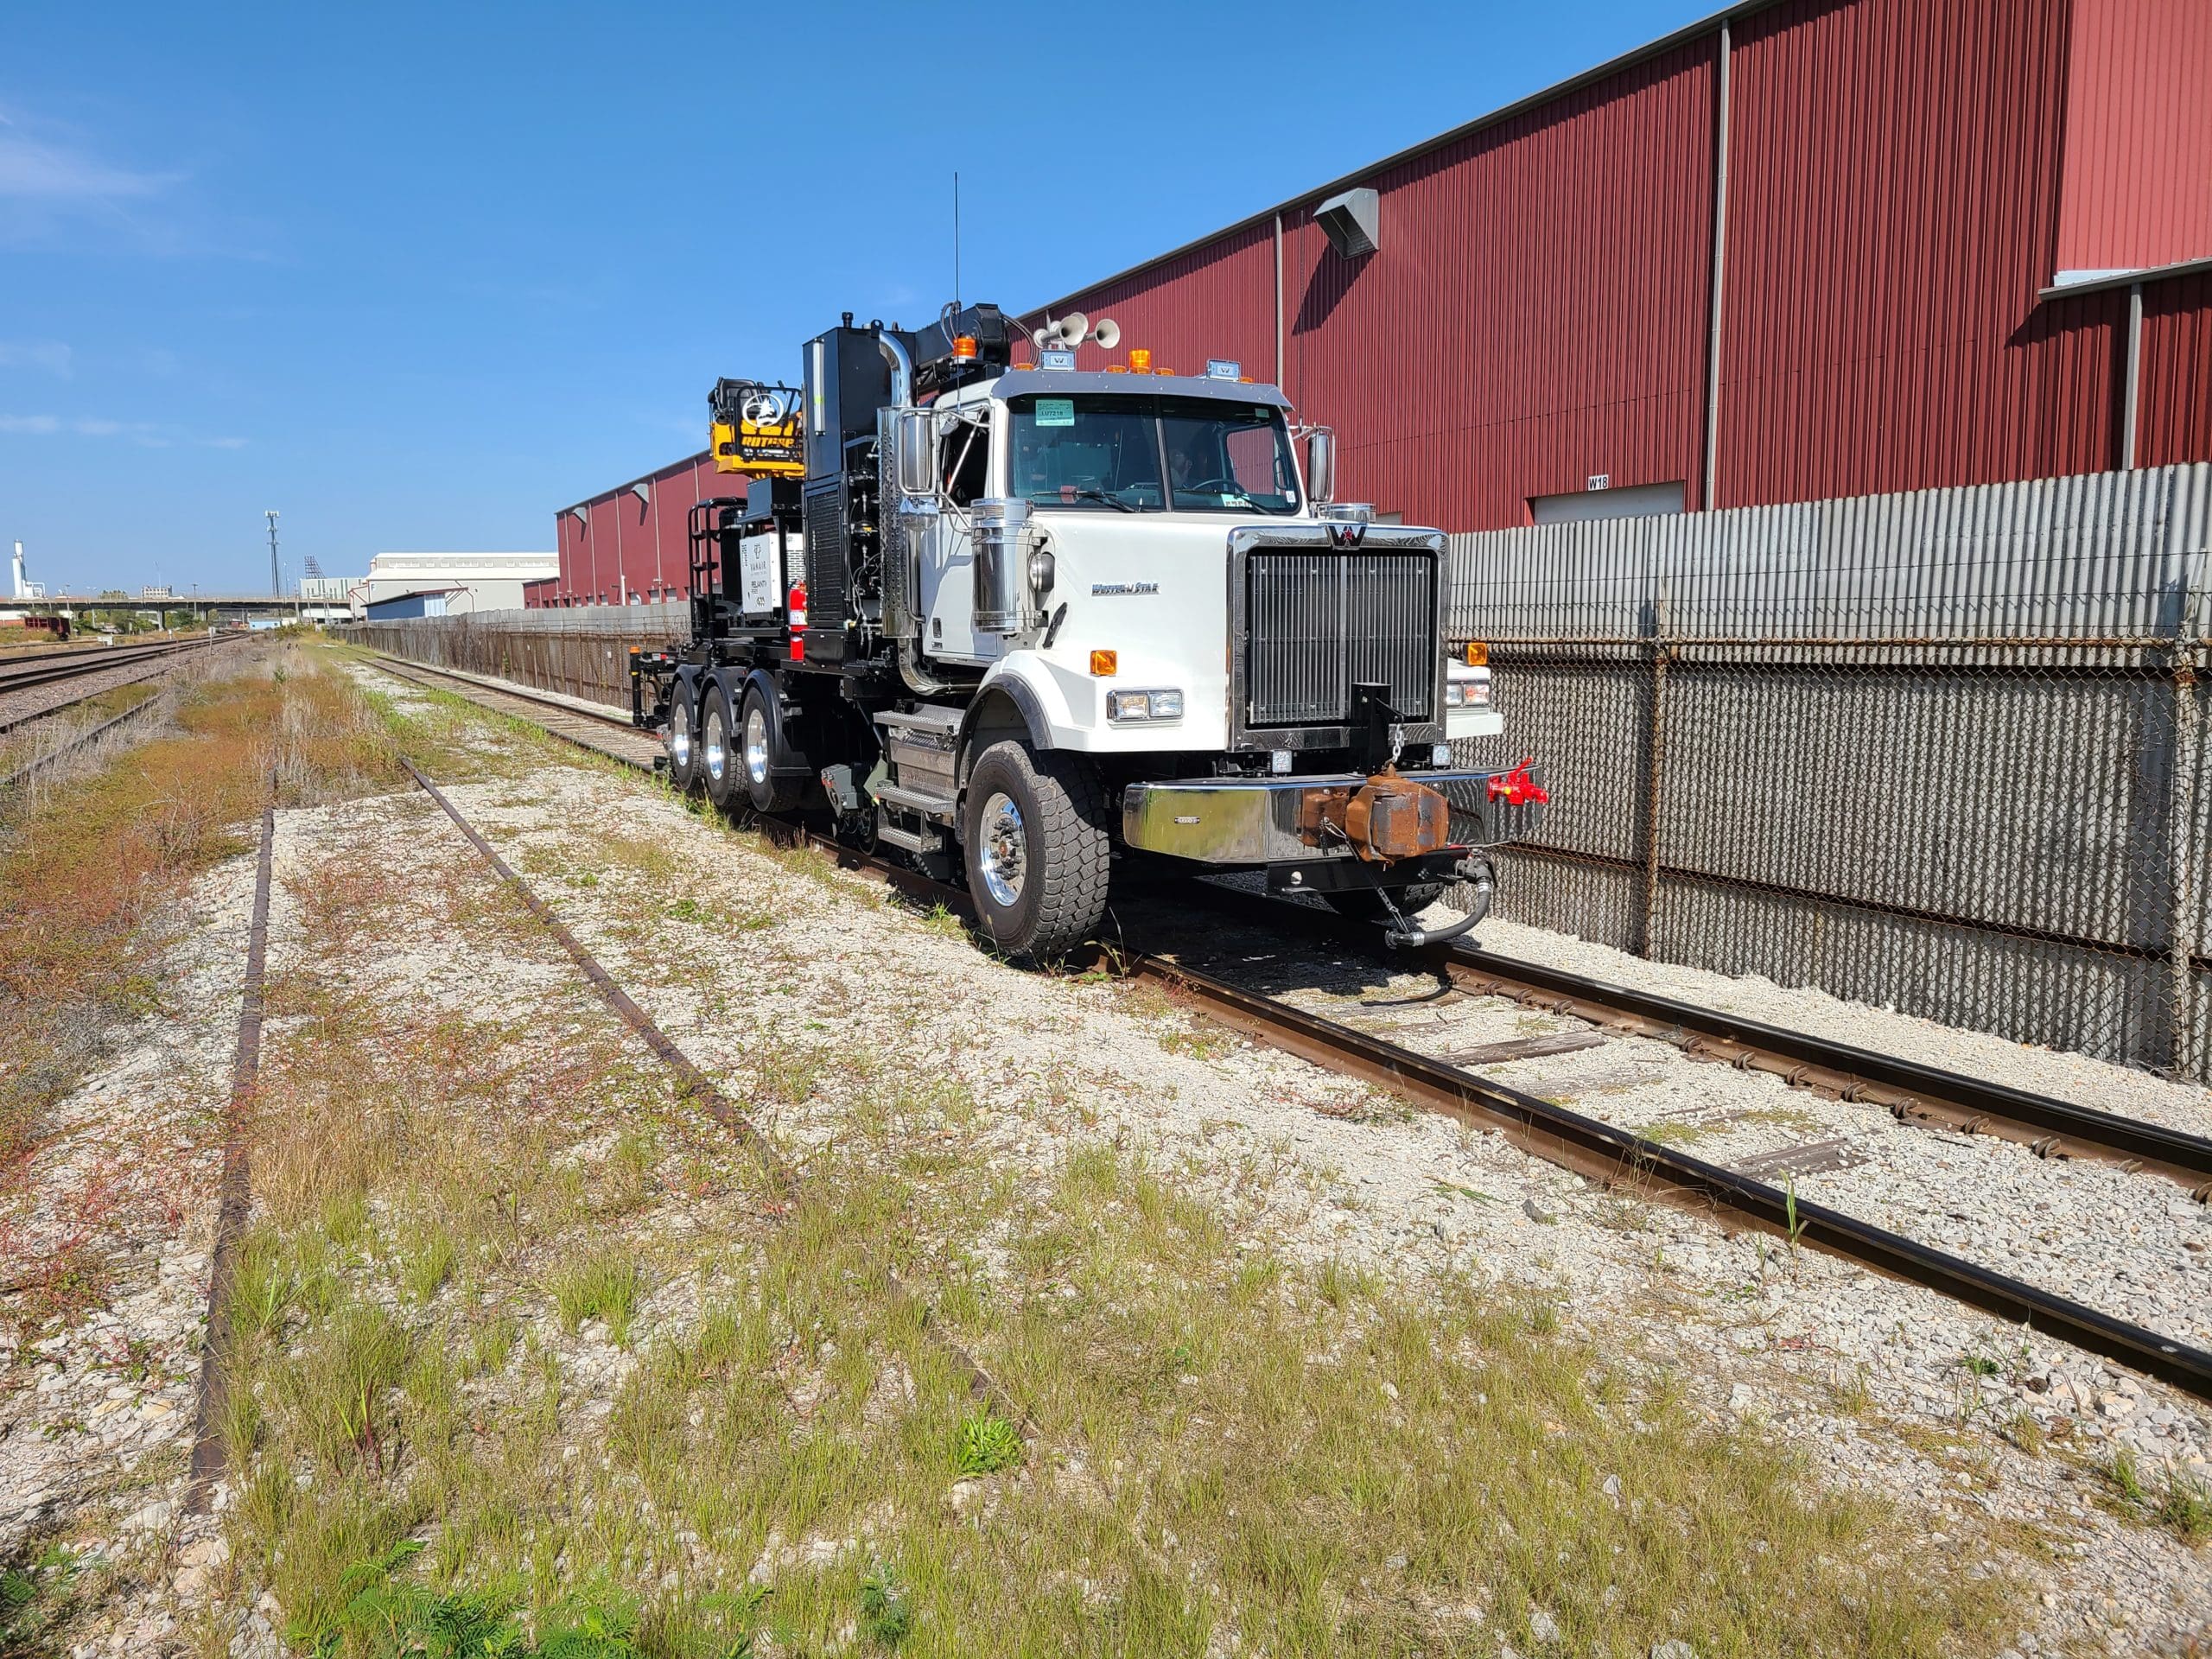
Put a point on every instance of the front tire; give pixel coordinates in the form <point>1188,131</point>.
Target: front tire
<point>1035,841</point>
<point>683,771</point>
<point>717,753</point>
<point>761,755</point>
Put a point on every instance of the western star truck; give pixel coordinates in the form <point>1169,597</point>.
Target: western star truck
<point>1025,622</point>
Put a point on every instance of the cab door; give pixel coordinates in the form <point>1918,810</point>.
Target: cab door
<point>948,561</point>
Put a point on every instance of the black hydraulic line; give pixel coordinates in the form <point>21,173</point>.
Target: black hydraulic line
<point>1587,1141</point>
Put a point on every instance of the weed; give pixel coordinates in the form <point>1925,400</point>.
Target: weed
<point>338,1386</point>
<point>2024,1431</point>
<point>1981,1365</point>
<point>2185,1508</point>
<point>984,1445</point>
<point>607,1283</point>
<point>1199,1045</point>
<point>1463,1192</point>
<point>887,1617</point>
<point>74,1282</point>
<point>2127,1477</point>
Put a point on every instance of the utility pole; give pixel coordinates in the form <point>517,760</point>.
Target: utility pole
<point>276,580</point>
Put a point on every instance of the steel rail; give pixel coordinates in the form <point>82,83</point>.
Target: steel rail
<point>160,665</point>
<point>1599,1151</point>
<point>31,769</point>
<point>1620,1158</point>
<point>17,677</point>
<point>1910,1090</point>
<point>209,1453</point>
<point>696,1087</point>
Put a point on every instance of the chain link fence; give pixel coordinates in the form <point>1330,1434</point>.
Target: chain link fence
<point>1940,752</point>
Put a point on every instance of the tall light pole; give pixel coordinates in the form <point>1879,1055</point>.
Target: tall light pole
<point>276,580</point>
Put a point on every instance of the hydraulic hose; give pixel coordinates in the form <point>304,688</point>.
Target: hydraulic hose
<point>1412,938</point>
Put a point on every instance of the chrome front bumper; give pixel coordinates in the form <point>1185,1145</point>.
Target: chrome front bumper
<point>1256,820</point>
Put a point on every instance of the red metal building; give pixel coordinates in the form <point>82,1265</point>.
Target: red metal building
<point>1804,248</point>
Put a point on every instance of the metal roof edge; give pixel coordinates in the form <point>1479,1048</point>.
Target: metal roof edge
<point>1505,113</point>
<point>642,478</point>
<point>2125,279</point>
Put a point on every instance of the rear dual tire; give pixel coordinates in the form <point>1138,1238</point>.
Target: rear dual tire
<point>738,760</point>
<point>1035,840</point>
<point>683,770</point>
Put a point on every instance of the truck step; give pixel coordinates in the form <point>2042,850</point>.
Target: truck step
<point>939,807</point>
<point>934,719</point>
<point>914,840</point>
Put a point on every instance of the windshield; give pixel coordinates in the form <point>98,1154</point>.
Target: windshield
<point>1113,451</point>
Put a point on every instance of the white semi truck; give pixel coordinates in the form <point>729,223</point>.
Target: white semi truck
<point>1025,622</point>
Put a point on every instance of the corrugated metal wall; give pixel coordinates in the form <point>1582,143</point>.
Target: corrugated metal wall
<point>630,548</point>
<point>1944,752</point>
<point>2176,411</point>
<point>1892,196</point>
<point>2137,88</point>
<point>1218,301</point>
<point>1538,311</point>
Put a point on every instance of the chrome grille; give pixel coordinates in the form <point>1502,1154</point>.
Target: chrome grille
<point>1317,623</point>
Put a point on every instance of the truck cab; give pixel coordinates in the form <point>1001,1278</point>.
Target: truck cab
<point>1041,620</point>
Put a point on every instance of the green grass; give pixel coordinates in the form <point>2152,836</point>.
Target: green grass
<point>1221,1446</point>
<point>605,1283</point>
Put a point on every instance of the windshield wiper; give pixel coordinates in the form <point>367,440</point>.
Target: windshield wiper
<point>1087,494</point>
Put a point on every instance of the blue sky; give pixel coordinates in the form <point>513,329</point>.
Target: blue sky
<point>417,275</point>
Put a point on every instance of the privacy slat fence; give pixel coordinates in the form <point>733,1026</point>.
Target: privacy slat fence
<point>1942,752</point>
<point>584,651</point>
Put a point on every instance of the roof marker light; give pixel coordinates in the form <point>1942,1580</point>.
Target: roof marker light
<point>1140,360</point>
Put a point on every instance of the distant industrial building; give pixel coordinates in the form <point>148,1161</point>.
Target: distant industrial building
<point>463,582</point>
<point>431,601</point>
<point>1801,249</point>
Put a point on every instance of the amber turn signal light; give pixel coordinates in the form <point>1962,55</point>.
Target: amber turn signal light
<point>1477,653</point>
<point>1105,662</point>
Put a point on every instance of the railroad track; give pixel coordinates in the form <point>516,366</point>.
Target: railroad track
<point>74,664</point>
<point>1611,1156</point>
<point>163,663</point>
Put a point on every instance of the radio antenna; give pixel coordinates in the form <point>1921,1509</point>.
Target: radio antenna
<point>955,238</point>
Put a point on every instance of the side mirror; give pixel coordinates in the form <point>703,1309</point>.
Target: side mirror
<point>1321,465</point>
<point>916,452</point>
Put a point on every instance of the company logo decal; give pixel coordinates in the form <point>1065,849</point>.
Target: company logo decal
<point>1347,535</point>
<point>1102,588</point>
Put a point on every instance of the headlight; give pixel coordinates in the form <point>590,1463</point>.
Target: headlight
<point>1466,687</point>
<point>1144,705</point>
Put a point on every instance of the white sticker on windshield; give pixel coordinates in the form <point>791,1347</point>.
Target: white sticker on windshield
<point>1056,411</point>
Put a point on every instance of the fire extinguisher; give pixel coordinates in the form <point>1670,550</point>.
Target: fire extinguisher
<point>795,614</point>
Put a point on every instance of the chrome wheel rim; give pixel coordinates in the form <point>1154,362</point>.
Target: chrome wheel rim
<point>716,753</point>
<point>756,744</point>
<point>1002,850</point>
<point>679,734</point>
